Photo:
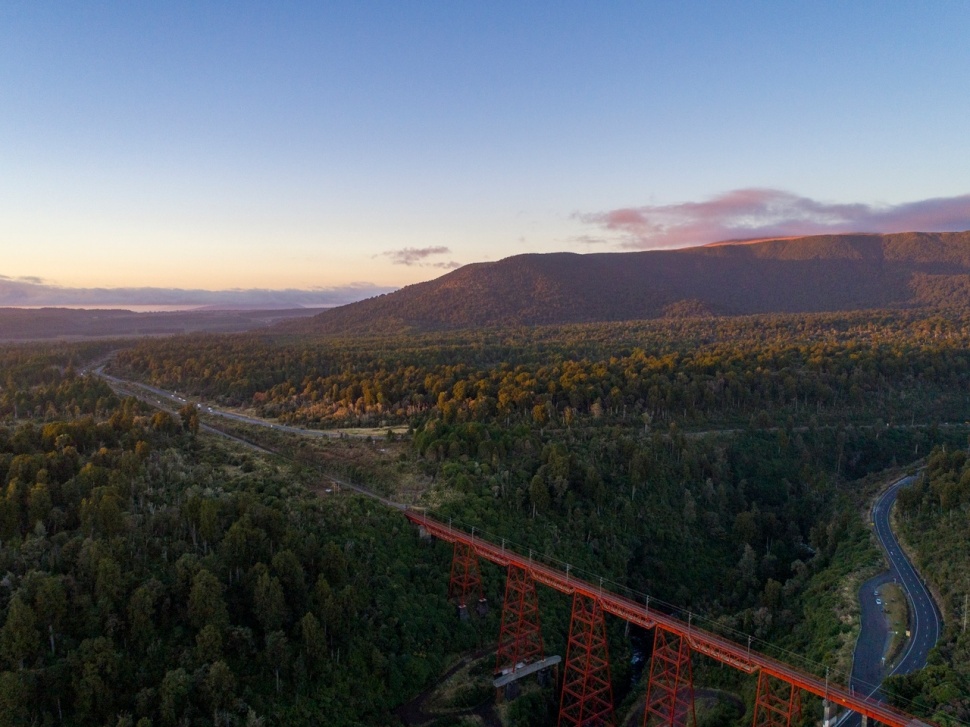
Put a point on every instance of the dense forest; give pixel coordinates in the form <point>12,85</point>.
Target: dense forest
<point>934,516</point>
<point>159,575</point>
<point>156,578</point>
<point>768,370</point>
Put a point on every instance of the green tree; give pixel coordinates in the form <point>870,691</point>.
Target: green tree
<point>277,654</point>
<point>50,605</point>
<point>287,568</point>
<point>268,601</point>
<point>219,687</point>
<point>314,640</point>
<point>206,603</point>
<point>141,612</point>
<point>101,512</point>
<point>108,585</point>
<point>173,694</point>
<point>209,525</point>
<point>95,679</point>
<point>19,639</point>
<point>208,644</point>
<point>39,504</point>
<point>189,415</point>
<point>15,700</point>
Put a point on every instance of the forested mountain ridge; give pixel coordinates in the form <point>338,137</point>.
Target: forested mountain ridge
<point>792,275</point>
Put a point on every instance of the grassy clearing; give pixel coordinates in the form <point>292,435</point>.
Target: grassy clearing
<point>398,430</point>
<point>378,464</point>
<point>896,608</point>
<point>712,707</point>
<point>468,687</point>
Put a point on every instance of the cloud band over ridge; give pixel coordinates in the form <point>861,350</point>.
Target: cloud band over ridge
<point>416,256</point>
<point>33,292</point>
<point>758,213</point>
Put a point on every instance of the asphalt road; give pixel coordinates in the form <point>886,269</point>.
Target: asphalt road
<point>868,669</point>
<point>926,624</point>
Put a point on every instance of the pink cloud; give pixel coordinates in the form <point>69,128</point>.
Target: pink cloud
<point>415,255</point>
<point>756,213</point>
<point>418,256</point>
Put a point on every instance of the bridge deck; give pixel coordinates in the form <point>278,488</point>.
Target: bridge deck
<point>701,641</point>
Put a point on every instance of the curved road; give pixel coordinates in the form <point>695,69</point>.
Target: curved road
<point>926,624</point>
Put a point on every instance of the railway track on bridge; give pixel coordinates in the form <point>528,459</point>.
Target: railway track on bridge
<point>699,640</point>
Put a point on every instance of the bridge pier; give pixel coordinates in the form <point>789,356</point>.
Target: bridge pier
<point>778,702</point>
<point>828,713</point>
<point>466,578</point>
<point>520,637</point>
<point>670,689</point>
<point>587,695</point>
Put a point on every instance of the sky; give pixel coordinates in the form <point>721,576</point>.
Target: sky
<point>316,153</point>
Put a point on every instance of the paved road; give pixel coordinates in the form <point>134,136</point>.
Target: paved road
<point>925,619</point>
<point>926,623</point>
<point>868,669</point>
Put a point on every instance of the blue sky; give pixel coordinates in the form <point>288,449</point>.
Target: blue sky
<point>355,147</point>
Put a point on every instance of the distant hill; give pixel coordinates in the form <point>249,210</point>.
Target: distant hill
<point>18,324</point>
<point>785,275</point>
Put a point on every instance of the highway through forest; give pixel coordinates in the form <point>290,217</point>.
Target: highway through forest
<point>925,622</point>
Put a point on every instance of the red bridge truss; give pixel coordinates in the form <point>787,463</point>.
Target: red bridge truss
<point>770,709</point>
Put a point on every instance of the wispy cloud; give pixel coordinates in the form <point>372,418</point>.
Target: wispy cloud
<point>33,292</point>
<point>754,213</point>
<point>417,256</point>
<point>24,279</point>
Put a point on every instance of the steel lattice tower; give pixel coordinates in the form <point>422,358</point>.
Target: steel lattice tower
<point>587,695</point>
<point>520,638</point>
<point>670,690</point>
<point>778,702</point>
<point>466,578</point>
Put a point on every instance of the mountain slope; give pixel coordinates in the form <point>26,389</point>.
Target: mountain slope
<point>808,274</point>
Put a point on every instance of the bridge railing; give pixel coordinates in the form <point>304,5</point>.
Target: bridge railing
<point>701,640</point>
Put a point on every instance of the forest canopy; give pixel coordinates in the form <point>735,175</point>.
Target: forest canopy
<point>158,575</point>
